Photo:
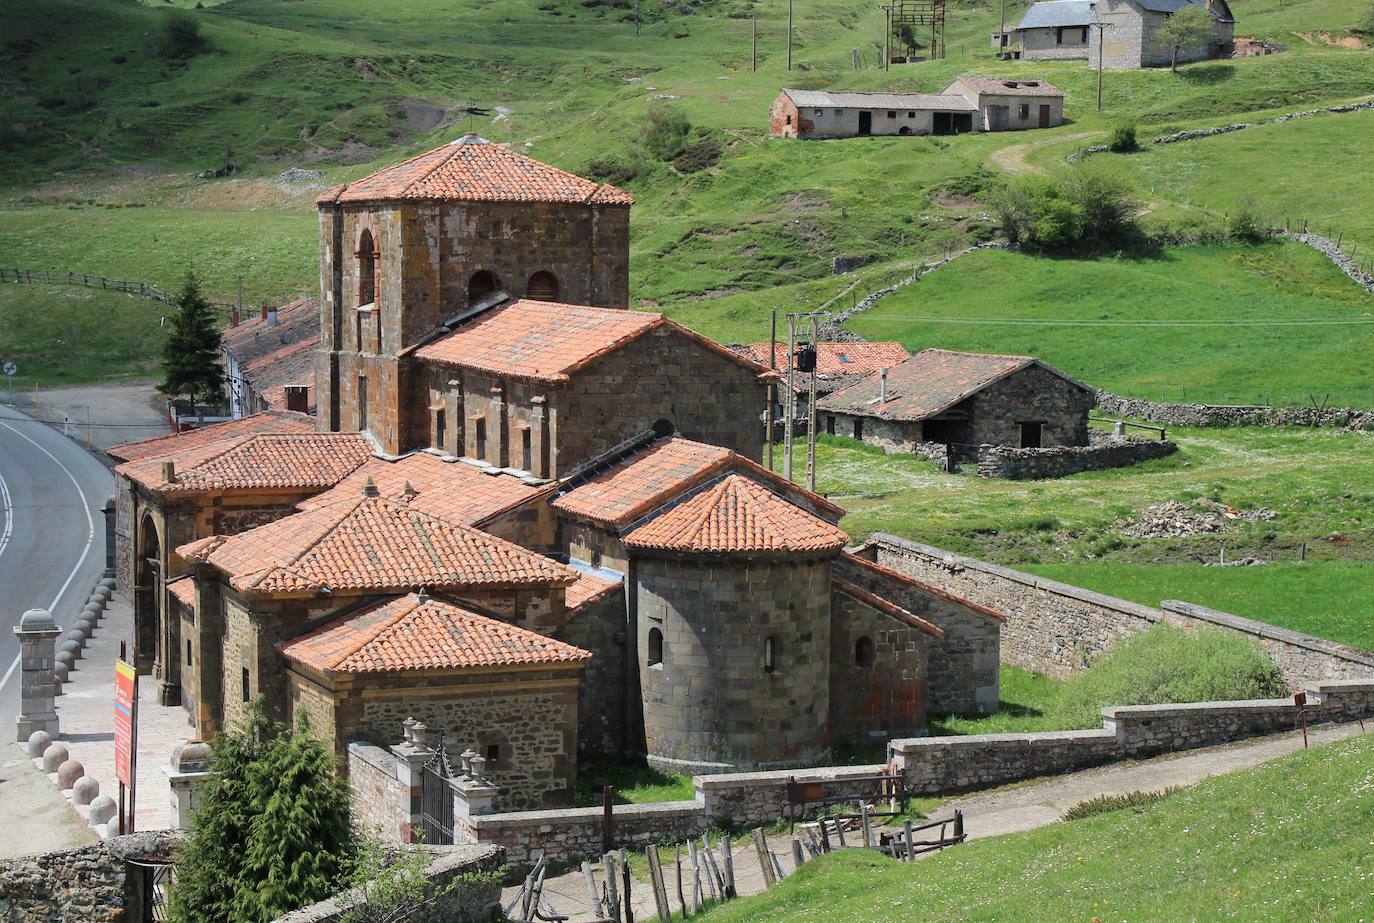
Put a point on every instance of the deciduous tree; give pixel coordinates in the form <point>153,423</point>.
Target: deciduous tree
<point>1190,26</point>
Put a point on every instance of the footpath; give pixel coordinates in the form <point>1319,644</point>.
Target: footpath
<point>1007,810</point>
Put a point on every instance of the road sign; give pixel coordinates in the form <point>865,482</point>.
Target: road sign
<point>11,369</point>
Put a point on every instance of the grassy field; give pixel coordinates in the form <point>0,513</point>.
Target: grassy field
<point>1316,482</point>
<point>1023,706</point>
<point>1061,310</point>
<point>1332,600</point>
<point>58,335</point>
<point>1210,852</point>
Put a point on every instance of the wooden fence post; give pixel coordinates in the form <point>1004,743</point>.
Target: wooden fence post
<point>591,888</point>
<point>656,879</point>
<point>625,882</point>
<point>727,858</point>
<point>797,858</point>
<point>765,858</point>
<point>696,876</point>
<point>612,894</point>
<point>677,867</point>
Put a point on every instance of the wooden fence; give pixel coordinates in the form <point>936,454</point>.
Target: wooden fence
<point>58,277</point>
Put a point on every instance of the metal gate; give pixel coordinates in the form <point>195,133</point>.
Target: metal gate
<point>154,880</point>
<point>436,800</point>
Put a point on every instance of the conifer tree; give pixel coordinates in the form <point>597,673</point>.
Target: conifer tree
<point>191,356</point>
<point>210,866</point>
<point>299,845</point>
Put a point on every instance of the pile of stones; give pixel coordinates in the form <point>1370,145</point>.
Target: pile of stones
<point>1202,516</point>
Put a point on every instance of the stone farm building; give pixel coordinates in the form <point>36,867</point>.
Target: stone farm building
<point>531,521</point>
<point>269,360</point>
<point>838,365</point>
<point>962,400</point>
<point>968,104</point>
<point>1059,30</point>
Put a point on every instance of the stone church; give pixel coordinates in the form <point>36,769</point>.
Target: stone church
<point>524,514</point>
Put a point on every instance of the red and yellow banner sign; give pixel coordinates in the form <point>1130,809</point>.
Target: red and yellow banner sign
<point>126,705</point>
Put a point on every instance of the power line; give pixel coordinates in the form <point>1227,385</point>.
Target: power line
<point>1047,322</point>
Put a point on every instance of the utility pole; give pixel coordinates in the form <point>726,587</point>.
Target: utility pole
<point>789,34</point>
<point>790,398</point>
<point>811,414</point>
<point>636,18</point>
<point>887,38</point>
<point>754,43</point>
<point>1101,40</point>
<point>1002,30</point>
<point>772,386</point>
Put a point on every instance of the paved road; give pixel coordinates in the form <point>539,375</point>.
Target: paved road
<point>52,535</point>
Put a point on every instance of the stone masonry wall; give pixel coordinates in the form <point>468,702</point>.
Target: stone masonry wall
<point>599,627</point>
<point>378,796</point>
<point>1061,461</point>
<point>949,764</point>
<point>713,704</point>
<point>1184,414</point>
<point>475,899</point>
<point>92,883</point>
<point>1057,629</point>
<point>878,673</point>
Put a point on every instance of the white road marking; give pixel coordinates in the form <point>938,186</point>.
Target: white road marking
<point>90,534</point>
<point>8,513</point>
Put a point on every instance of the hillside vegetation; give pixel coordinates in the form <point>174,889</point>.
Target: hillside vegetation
<point>1210,852</point>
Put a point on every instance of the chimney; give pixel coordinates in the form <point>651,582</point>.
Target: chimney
<point>263,310</point>
<point>234,316</point>
<point>169,472</point>
<point>271,317</point>
<point>298,398</point>
<point>370,488</point>
<point>882,386</point>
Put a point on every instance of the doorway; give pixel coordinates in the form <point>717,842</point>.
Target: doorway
<point>1032,433</point>
<point>865,123</point>
<point>1044,116</point>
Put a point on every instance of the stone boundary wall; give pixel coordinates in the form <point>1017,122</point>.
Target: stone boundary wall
<point>89,883</point>
<point>475,900</point>
<point>567,834</point>
<point>1205,415</point>
<point>1057,629</point>
<point>1059,461</point>
<point>1332,251</point>
<point>936,765</point>
<point>831,328</point>
<point>377,791</point>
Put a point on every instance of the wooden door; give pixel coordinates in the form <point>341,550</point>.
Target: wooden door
<point>865,123</point>
<point>1044,116</point>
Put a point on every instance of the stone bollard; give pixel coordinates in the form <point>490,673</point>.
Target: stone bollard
<point>85,626</point>
<point>108,583</point>
<point>103,809</point>
<point>55,756</point>
<point>188,768</point>
<point>72,645</point>
<point>85,790</point>
<point>68,660</point>
<point>37,633</point>
<point>38,742</point>
<point>104,593</point>
<point>68,773</point>
<point>92,611</point>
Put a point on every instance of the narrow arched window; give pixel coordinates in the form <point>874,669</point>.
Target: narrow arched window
<point>770,654</point>
<point>543,286</point>
<point>863,652</point>
<point>655,646</point>
<point>482,283</point>
<point>367,269</point>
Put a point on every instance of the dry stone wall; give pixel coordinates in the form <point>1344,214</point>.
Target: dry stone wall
<point>1208,415</point>
<point>1057,629</point>
<point>93,883</point>
<point>1060,461</point>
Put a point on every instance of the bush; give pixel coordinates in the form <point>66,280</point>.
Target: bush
<point>704,153</point>
<point>1107,205</point>
<point>180,38</point>
<point>666,134</point>
<point>618,171</point>
<point>1244,225</point>
<point>1123,139</point>
<point>1168,665</point>
<point>1089,210</point>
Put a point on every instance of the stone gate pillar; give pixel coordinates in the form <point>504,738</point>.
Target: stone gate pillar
<point>37,633</point>
<point>412,754</point>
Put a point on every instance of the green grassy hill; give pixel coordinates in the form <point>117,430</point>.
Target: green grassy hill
<point>1210,852</point>
<point>1062,310</point>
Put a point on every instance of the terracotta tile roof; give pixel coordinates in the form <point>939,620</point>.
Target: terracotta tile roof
<point>547,341</point>
<point>589,588</point>
<point>367,543</point>
<point>887,607</point>
<point>297,321</point>
<point>454,491</point>
<point>888,573</point>
<point>415,633</point>
<point>473,169</point>
<point>270,421</point>
<point>929,383</point>
<point>183,590</point>
<point>837,359</point>
<point>665,469</point>
<point>736,515</point>
<point>1005,86</point>
<point>255,462</point>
